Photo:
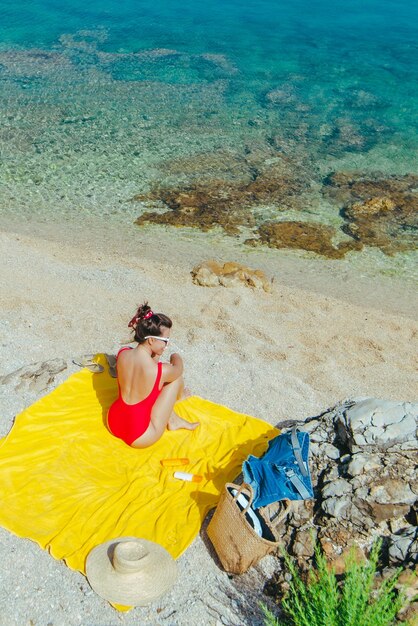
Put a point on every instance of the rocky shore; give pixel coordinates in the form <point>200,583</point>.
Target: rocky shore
<point>363,461</point>
<point>376,210</point>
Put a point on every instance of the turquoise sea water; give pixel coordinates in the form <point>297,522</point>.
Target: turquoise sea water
<point>102,101</point>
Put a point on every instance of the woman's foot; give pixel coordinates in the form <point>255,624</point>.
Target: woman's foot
<point>175,423</point>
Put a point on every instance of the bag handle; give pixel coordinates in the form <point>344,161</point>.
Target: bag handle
<point>239,492</point>
<point>298,451</point>
<point>276,519</point>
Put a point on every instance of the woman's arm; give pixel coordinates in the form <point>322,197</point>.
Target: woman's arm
<point>173,370</point>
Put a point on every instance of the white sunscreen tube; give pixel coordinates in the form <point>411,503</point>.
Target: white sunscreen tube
<point>191,478</point>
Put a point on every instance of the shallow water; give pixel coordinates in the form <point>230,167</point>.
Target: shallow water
<point>105,101</point>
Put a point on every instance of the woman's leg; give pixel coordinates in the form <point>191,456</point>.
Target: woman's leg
<point>162,415</point>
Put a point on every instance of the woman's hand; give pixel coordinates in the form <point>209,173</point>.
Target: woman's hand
<point>175,359</point>
<point>174,369</point>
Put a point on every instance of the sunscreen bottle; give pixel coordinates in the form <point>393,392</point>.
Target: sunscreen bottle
<point>192,478</point>
<point>174,462</point>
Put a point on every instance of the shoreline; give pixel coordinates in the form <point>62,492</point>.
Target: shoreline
<point>348,279</point>
<point>71,290</point>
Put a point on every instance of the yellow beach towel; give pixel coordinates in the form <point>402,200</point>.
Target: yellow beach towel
<point>69,485</point>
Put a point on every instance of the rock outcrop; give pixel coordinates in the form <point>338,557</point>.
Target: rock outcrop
<point>379,212</point>
<point>226,203</point>
<point>363,464</point>
<point>212,274</point>
<point>38,377</point>
<point>308,236</point>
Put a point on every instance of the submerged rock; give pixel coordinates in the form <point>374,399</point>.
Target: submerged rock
<point>303,236</point>
<point>361,99</point>
<point>199,206</point>
<point>369,208</point>
<point>212,274</point>
<point>351,186</point>
<point>383,223</point>
<point>348,136</point>
<point>379,212</point>
<point>281,96</point>
<point>227,203</point>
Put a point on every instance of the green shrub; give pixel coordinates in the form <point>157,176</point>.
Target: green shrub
<point>322,601</point>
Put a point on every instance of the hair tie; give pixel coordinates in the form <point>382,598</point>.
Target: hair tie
<point>134,321</point>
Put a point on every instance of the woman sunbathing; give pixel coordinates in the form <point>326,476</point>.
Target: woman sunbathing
<point>148,389</point>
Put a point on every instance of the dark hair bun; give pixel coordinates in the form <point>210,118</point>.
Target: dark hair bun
<point>146,322</point>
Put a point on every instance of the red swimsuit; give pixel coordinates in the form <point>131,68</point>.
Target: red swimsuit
<point>130,421</point>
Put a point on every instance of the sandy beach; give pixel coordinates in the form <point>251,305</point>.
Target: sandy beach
<point>325,333</point>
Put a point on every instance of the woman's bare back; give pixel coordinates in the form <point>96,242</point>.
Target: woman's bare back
<point>137,373</point>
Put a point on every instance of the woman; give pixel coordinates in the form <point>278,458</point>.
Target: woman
<point>148,389</point>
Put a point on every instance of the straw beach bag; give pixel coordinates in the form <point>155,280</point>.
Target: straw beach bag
<point>241,536</point>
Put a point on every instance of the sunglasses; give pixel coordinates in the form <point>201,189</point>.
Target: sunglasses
<point>165,339</point>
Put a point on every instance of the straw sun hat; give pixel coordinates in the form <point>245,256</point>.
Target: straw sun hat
<point>130,571</point>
